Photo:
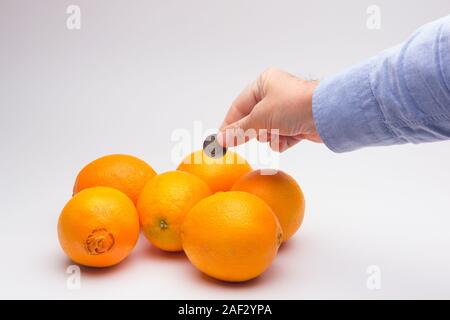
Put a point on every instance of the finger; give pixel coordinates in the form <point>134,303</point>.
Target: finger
<point>237,133</point>
<point>277,142</point>
<point>241,106</point>
<point>245,128</point>
<point>282,143</point>
<point>263,136</point>
<point>291,141</point>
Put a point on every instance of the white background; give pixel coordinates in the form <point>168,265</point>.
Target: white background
<point>137,71</point>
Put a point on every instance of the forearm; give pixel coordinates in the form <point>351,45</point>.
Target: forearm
<point>399,96</point>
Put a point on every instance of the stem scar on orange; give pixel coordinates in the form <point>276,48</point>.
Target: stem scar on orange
<point>164,202</point>
<point>98,227</point>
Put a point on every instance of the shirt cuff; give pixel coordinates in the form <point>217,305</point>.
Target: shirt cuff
<point>346,113</point>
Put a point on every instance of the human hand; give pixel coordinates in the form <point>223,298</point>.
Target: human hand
<point>276,108</point>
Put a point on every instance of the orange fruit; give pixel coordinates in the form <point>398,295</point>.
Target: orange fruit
<point>98,227</point>
<point>221,173</point>
<point>281,192</point>
<point>123,172</point>
<point>164,202</point>
<point>231,236</point>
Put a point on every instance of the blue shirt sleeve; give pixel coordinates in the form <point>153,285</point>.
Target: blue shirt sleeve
<point>399,96</point>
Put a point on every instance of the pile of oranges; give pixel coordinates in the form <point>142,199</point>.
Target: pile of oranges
<point>228,219</point>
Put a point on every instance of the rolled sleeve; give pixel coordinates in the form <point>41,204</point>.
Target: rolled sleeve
<point>346,112</point>
<point>400,96</point>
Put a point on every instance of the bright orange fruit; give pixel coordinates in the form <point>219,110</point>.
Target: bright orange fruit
<point>164,202</point>
<point>221,173</point>
<point>281,192</point>
<point>122,172</point>
<point>98,227</point>
<point>231,236</point>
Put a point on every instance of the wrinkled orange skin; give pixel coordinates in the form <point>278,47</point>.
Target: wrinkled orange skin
<point>163,204</point>
<point>231,236</point>
<point>98,227</point>
<point>122,172</point>
<point>220,174</point>
<point>281,192</point>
